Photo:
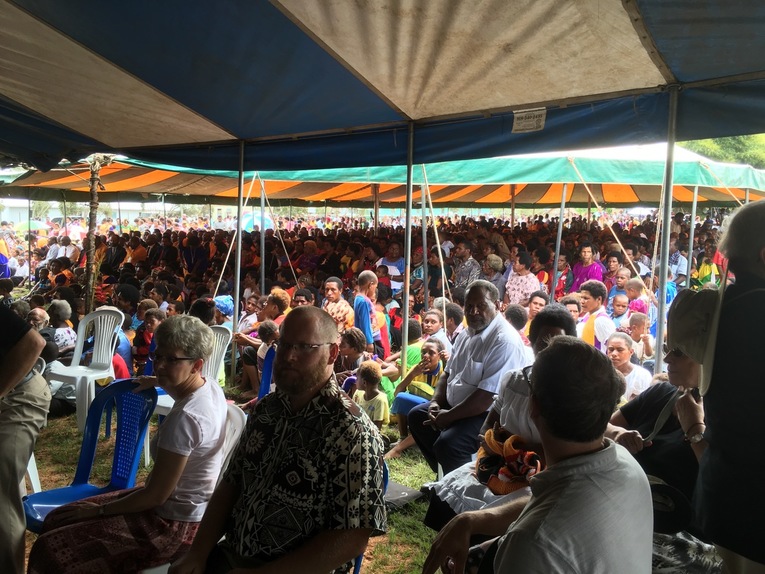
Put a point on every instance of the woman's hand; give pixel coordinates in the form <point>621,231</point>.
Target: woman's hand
<point>444,355</point>
<point>632,440</point>
<point>83,510</point>
<point>689,410</point>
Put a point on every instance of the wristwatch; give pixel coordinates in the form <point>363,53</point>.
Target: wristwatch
<point>695,438</point>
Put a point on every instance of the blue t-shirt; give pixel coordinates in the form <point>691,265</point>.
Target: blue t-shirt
<point>362,317</point>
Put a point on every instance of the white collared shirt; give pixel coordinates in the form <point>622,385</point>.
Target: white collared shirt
<point>479,360</point>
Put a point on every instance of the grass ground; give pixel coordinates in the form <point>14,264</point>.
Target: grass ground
<point>401,550</point>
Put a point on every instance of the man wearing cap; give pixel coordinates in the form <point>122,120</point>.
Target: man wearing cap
<point>729,501</point>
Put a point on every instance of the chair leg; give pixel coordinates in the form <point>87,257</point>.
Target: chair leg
<point>146,457</point>
<point>34,477</point>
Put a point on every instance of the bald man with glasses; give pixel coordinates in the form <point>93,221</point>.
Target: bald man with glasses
<point>304,490</point>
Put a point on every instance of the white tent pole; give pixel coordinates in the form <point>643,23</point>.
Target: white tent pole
<point>558,241</point>
<point>29,234</point>
<point>666,216</point>
<point>446,290</point>
<point>746,197</point>
<point>407,250</point>
<point>512,206</point>
<point>119,212</point>
<point>263,238</point>
<point>376,196</point>
<point>693,227</point>
<point>424,244</point>
<point>238,259</point>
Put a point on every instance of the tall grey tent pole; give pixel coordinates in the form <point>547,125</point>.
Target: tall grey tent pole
<point>693,227</point>
<point>512,206</point>
<point>407,250</point>
<point>558,241</point>
<point>119,213</point>
<point>666,216</point>
<point>425,244</point>
<point>66,227</point>
<point>262,238</point>
<point>376,196</point>
<point>238,254</point>
<point>29,233</point>
<point>746,197</point>
<point>164,208</point>
<point>209,211</point>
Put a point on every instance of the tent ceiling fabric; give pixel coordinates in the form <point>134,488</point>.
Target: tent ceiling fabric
<point>313,84</point>
<point>617,177</point>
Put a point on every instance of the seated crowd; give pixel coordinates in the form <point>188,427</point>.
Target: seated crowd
<point>527,384</point>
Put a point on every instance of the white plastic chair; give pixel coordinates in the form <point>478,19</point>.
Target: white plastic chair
<point>33,476</point>
<point>221,343</point>
<point>236,420</point>
<point>104,323</point>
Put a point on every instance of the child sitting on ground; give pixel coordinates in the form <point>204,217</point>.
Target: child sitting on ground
<point>369,397</point>
<point>416,388</point>
<point>638,301</point>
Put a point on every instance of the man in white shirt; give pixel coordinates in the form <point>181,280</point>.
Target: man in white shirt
<point>446,428</point>
<point>678,264</point>
<point>22,271</point>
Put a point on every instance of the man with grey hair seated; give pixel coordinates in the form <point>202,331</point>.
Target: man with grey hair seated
<point>446,429</point>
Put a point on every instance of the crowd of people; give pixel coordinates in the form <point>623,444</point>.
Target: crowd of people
<point>527,383</point>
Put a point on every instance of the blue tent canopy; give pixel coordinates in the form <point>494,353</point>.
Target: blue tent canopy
<point>310,84</point>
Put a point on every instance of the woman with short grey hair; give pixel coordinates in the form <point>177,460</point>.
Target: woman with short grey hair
<point>154,524</point>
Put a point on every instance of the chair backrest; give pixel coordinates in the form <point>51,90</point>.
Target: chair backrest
<point>236,419</point>
<point>133,413</point>
<point>268,370</point>
<point>222,339</point>
<point>104,323</point>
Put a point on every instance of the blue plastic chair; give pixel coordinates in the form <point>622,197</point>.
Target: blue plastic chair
<point>133,413</point>
<point>268,369</point>
<point>360,557</point>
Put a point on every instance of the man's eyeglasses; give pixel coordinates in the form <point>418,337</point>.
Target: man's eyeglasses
<point>677,353</point>
<point>158,358</point>
<point>302,348</point>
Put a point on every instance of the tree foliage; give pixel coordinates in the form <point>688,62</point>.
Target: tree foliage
<point>748,150</point>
